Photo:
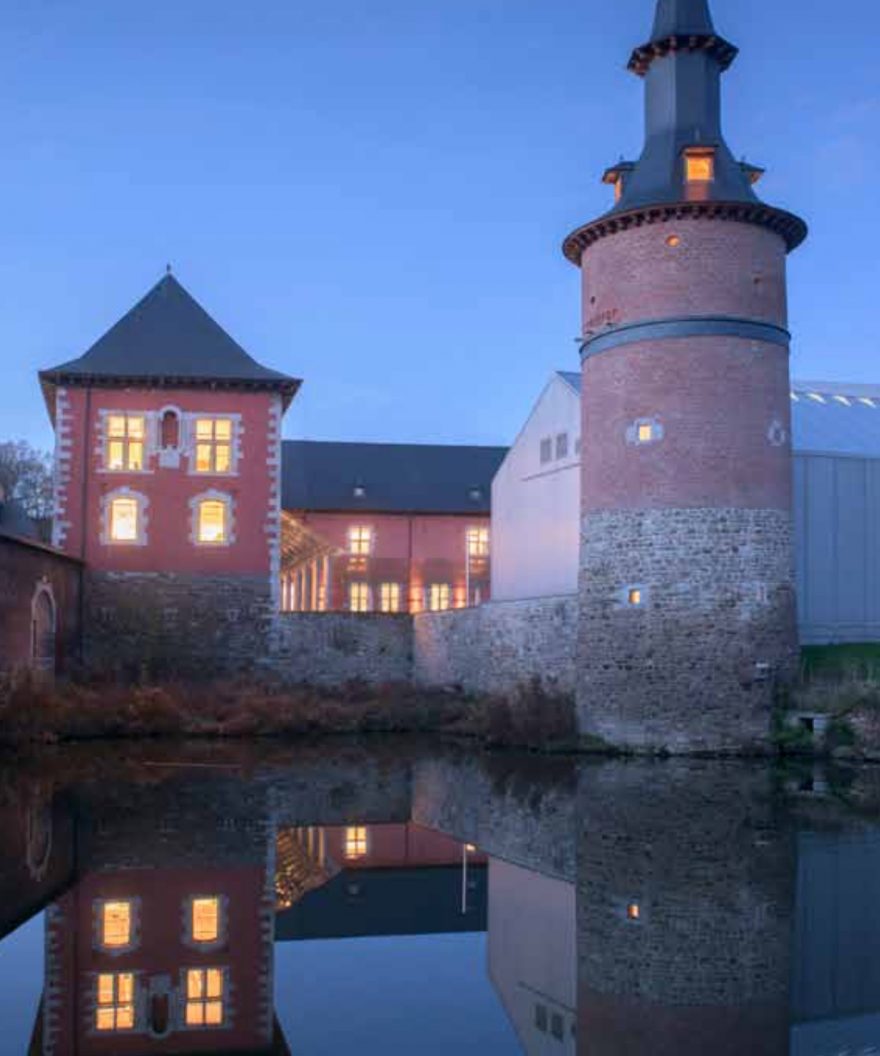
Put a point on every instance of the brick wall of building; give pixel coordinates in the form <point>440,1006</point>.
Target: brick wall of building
<point>499,647</point>
<point>25,569</point>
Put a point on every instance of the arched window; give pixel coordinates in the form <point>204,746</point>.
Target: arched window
<point>170,430</point>
<point>43,626</point>
<point>125,518</point>
<point>212,519</point>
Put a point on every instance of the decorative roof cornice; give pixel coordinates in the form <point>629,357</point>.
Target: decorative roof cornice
<point>720,49</point>
<point>790,227</point>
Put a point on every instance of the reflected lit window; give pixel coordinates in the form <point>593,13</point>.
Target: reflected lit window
<point>358,597</point>
<point>439,597</point>
<point>699,166</point>
<point>213,445</point>
<point>124,520</point>
<point>115,1004</point>
<point>205,997</point>
<point>212,519</point>
<point>634,911</point>
<point>389,597</point>
<point>360,540</point>
<point>478,542</point>
<point>635,596</point>
<point>125,442</point>
<point>356,841</point>
<point>115,925</point>
<point>205,919</point>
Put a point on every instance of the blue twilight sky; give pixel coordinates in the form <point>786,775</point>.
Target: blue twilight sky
<point>372,195</point>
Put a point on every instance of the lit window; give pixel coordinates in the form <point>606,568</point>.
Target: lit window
<point>478,542</point>
<point>205,919</point>
<point>115,1006</point>
<point>204,997</point>
<point>356,841</point>
<point>115,925</point>
<point>213,445</point>
<point>124,518</point>
<point>673,241</point>
<point>562,445</point>
<point>546,450</point>
<point>125,442</point>
<point>439,597</point>
<point>358,597</point>
<point>360,540</point>
<point>212,521</point>
<point>644,431</point>
<point>699,166</point>
<point>389,597</point>
<point>634,596</point>
<point>646,434</point>
<point>634,911</point>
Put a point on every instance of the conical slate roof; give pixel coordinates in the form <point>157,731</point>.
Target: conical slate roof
<point>679,18</point>
<point>168,339</point>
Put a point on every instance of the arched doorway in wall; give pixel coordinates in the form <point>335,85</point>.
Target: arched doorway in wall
<point>43,629</point>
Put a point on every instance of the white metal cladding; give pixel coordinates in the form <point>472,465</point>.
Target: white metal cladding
<point>837,528</point>
<point>829,417</point>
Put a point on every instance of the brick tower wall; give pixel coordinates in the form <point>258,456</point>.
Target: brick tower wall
<point>698,520</point>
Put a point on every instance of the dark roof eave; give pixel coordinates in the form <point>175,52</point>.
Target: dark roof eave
<point>49,379</point>
<point>390,511</point>
<point>36,544</point>
<point>790,227</point>
<point>721,49</point>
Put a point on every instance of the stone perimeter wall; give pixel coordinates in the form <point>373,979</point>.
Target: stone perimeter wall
<point>499,647</point>
<point>204,626</point>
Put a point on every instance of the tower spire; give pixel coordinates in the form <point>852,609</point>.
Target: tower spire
<point>682,18</point>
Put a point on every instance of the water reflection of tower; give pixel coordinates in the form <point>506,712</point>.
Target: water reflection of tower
<point>165,941</point>
<point>685,889</point>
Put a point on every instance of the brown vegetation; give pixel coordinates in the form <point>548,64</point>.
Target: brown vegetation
<point>37,712</point>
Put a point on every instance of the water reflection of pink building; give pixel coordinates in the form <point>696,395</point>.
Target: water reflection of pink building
<point>164,943</point>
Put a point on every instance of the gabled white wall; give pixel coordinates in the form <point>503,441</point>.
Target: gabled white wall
<point>535,507</point>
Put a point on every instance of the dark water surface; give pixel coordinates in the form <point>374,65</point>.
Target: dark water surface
<point>396,898</point>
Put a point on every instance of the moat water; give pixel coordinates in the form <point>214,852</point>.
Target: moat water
<point>393,897</point>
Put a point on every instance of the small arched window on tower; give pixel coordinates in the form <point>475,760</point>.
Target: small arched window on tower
<point>699,164</point>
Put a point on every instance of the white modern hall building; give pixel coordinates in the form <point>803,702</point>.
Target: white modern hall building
<point>836,440</point>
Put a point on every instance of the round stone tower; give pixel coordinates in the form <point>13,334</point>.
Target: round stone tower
<point>687,581</point>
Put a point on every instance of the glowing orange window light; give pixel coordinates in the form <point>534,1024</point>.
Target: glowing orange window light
<point>699,166</point>
<point>205,919</point>
<point>115,1004</point>
<point>115,925</point>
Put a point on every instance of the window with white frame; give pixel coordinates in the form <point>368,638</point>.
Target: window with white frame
<point>360,540</point>
<point>389,597</point>
<point>358,597</point>
<point>124,520</point>
<point>439,597</point>
<point>205,997</point>
<point>125,442</point>
<point>115,1001</point>
<point>213,445</point>
<point>212,521</point>
<point>478,542</point>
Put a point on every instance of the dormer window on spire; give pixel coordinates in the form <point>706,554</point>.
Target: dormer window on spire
<point>699,164</point>
<point>616,177</point>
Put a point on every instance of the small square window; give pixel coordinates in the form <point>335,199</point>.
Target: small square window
<point>546,450</point>
<point>635,596</point>
<point>562,445</point>
<point>699,166</point>
<point>645,433</point>
<point>634,912</point>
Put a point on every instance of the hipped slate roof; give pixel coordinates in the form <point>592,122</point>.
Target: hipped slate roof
<point>388,478</point>
<point>168,339</point>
